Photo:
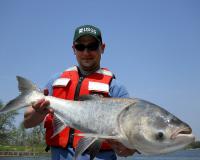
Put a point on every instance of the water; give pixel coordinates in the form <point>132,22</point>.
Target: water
<point>182,155</point>
<point>25,158</point>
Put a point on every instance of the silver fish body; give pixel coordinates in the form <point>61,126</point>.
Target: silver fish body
<point>136,123</point>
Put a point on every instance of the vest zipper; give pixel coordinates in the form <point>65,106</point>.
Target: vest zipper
<point>78,87</point>
<point>76,98</point>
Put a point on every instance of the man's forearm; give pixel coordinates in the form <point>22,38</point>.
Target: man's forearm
<point>35,114</point>
<point>32,118</point>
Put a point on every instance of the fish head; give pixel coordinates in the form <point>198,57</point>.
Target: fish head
<point>152,130</point>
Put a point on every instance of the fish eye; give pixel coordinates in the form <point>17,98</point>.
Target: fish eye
<point>160,136</point>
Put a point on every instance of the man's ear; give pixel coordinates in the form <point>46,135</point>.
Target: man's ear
<point>74,49</point>
<point>103,46</point>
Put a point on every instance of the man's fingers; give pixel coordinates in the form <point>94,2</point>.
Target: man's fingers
<point>40,106</point>
<point>120,149</point>
<point>125,152</point>
<point>44,104</point>
<point>51,111</point>
<point>44,108</point>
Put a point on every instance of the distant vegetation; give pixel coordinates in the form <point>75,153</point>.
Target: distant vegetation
<point>194,145</point>
<point>18,138</point>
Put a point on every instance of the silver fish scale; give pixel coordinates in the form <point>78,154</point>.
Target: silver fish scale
<point>98,116</point>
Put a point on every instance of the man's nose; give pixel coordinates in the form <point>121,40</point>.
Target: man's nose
<point>86,51</point>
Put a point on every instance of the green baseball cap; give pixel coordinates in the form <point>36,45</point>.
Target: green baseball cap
<point>87,30</point>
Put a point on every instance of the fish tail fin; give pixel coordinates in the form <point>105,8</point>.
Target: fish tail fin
<point>26,87</point>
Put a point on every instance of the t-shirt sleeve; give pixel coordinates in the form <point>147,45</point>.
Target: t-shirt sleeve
<point>49,84</point>
<point>118,90</point>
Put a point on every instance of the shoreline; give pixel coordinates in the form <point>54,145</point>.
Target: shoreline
<point>21,154</point>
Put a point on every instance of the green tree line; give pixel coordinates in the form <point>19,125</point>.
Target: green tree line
<point>194,145</point>
<point>19,136</point>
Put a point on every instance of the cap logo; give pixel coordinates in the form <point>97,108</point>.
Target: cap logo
<point>87,29</point>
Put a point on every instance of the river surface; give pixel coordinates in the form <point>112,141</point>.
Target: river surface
<point>181,155</point>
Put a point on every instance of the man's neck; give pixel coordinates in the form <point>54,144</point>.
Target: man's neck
<point>86,73</point>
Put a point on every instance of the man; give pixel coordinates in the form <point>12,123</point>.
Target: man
<point>86,78</point>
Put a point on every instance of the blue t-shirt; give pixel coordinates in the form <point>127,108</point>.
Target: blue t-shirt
<point>116,89</point>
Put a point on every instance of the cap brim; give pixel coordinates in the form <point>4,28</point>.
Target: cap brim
<point>88,34</point>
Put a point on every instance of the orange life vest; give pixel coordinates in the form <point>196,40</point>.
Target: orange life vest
<point>65,87</point>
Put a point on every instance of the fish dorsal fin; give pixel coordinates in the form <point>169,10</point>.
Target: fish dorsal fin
<point>90,97</point>
<point>58,124</point>
<point>25,85</point>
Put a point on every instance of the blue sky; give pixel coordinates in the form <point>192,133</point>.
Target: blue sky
<point>152,46</point>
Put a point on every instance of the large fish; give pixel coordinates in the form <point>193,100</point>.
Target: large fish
<point>136,123</point>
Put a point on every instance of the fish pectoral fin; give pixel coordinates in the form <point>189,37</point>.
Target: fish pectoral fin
<point>92,144</point>
<point>94,149</point>
<point>98,136</point>
<point>58,125</point>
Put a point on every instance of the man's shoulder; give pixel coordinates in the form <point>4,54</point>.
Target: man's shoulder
<point>117,89</point>
<point>106,71</point>
<point>50,82</point>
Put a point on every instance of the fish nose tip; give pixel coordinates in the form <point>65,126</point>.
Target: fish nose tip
<point>187,129</point>
<point>184,130</point>
<point>190,130</point>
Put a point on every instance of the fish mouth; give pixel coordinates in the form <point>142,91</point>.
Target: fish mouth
<point>181,132</point>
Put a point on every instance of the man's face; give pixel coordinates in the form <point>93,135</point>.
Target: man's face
<point>88,52</point>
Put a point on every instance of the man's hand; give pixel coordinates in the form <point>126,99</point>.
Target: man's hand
<point>41,107</point>
<point>36,113</point>
<point>120,149</point>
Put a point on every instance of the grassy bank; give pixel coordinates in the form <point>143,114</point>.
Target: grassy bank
<point>36,149</point>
